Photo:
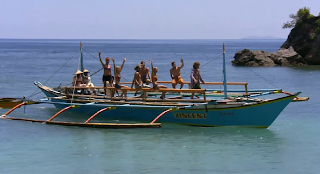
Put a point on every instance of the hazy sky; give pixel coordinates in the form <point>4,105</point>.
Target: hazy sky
<point>147,19</point>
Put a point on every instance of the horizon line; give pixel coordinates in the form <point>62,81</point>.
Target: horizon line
<point>139,39</point>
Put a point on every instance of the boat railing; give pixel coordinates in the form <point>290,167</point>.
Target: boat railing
<point>143,96</point>
<point>245,84</point>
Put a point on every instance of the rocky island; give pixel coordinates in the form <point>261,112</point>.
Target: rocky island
<point>302,46</point>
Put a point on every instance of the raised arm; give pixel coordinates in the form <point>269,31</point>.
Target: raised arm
<point>114,66</point>
<point>100,59</point>
<point>124,60</point>
<point>182,64</point>
<point>151,69</point>
<point>149,74</point>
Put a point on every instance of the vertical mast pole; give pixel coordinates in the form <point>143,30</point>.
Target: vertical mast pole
<point>224,74</point>
<point>81,58</point>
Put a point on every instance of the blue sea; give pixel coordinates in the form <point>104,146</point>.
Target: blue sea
<point>289,145</point>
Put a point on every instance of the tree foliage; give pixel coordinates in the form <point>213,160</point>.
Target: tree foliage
<point>318,28</point>
<point>302,13</point>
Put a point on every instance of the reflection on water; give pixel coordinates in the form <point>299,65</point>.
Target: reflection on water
<point>307,68</point>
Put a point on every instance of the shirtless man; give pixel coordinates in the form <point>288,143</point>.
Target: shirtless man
<point>144,71</point>
<point>176,75</point>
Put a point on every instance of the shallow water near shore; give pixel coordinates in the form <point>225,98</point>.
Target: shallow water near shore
<point>289,145</point>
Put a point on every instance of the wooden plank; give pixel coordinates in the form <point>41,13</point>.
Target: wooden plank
<point>99,125</point>
<point>155,102</point>
<point>143,89</point>
<point>91,99</point>
<point>182,90</point>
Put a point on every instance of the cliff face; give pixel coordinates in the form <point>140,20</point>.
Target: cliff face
<point>305,40</point>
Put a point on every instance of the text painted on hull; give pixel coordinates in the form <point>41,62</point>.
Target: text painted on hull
<point>226,113</point>
<point>190,115</point>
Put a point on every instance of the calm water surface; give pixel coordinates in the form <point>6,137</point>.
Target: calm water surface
<point>289,145</point>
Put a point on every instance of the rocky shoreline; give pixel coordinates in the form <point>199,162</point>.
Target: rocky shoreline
<point>302,46</point>
<point>283,57</point>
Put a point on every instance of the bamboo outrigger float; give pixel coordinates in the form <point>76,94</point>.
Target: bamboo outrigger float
<point>84,124</point>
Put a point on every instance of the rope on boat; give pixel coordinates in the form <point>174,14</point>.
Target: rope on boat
<point>205,64</point>
<point>35,92</point>
<point>289,94</point>
<point>74,83</point>
<point>90,54</point>
<point>258,75</point>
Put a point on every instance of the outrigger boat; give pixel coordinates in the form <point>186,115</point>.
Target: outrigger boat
<point>211,108</point>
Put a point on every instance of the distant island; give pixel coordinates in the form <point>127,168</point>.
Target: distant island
<point>261,37</point>
<point>302,46</point>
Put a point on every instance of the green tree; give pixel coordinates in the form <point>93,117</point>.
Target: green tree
<point>302,13</point>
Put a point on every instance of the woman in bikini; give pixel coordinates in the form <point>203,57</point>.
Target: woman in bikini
<point>117,71</point>
<point>154,78</point>
<point>107,73</point>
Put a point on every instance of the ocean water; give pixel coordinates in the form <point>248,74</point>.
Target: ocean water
<point>289,145</point>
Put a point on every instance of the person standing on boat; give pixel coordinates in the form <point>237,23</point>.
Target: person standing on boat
<point>87,81</point>
<point>117,76</point>
<point>137,80</point>
<point>107,73</point>
<point>176,75</point>
<point>155,79</point>
<point>196,77</point>
<point>144,71</point>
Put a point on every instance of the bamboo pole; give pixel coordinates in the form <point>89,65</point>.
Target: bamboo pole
<point>160,115</point>
<point>62,110</point>
<point>104,109</point>
<point>18,106</point>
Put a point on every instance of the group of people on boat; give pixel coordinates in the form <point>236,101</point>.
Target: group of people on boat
<point>142,77</point>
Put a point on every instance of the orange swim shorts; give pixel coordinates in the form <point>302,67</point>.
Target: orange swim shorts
<point>180,80</point>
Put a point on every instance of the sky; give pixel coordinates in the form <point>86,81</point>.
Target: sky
<point>147,19</point>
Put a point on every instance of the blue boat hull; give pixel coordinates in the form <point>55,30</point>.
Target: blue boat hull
<point>259,115</point>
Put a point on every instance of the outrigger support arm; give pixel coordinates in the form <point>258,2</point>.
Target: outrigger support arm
<point>104,109</point>
<point>62,110</point>
<point>18,106</point>
<point>163,113</point>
